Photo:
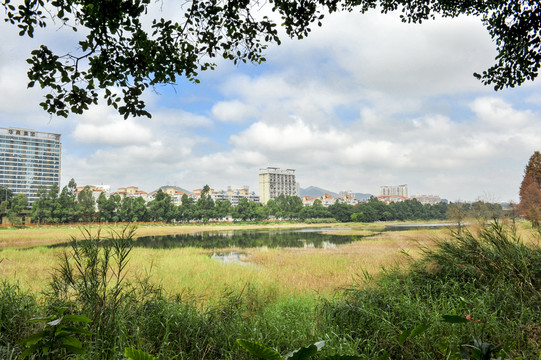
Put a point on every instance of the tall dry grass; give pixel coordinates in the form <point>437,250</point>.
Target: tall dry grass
<point>283,271</point>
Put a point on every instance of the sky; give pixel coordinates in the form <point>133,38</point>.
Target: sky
<point>364,101</point>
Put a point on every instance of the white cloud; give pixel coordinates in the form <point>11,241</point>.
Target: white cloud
<point>117,133</point>
<point>232,111</point>
<point>364,101</point>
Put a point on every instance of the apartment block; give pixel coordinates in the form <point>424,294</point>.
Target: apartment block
<point>232,195</point>
<point>29,159</point>
<point>274,182</point>
<point>396,193</point>
<point>427,199</point>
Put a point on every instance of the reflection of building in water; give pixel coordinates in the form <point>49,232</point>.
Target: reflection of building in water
<point>397,193</point>
<point>232,257</point>
<point>274,182</point>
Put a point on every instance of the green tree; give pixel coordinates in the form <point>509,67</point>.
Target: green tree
<point>16,206</point>
<point>186,211</point>
<point>458,212</point>
<point>46,207</point>
<point>204,208</point>
<point>341,212</point>
<point>108,208</point>
<point>315,211</point>
<point>117,51</point>
<point>247,210</point>
<point>222,208</point>
<point>40,211</point>
<point>5,194</point>
<point>161,208</point>
<point>139,210</point>
<point>66,208</point>
<point>86,205</point>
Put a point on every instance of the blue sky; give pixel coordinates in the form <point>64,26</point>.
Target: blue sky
<point>364,101</point>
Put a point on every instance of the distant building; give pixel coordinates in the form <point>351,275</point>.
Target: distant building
<point>427,199</point>
<point>232,195</point>
<point>274,182</point>
<point>131,192</point>
<point>397,193</point>
<point>173,191</point>
<point>347,197</point>
<point>29,159</point>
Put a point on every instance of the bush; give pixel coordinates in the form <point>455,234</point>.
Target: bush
<point>491,275</point>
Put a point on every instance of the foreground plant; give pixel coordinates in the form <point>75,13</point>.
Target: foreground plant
<point>265,352</point>
<point>58,339</point>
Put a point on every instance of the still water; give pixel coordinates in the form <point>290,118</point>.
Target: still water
<point>312,237</point>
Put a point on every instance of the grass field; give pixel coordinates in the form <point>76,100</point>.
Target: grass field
<point>360,297</point>
<point>281,271</point>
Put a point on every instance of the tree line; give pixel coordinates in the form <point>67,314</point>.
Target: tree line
<point>69,206</point>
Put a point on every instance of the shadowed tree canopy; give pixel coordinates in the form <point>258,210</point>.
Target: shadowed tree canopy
<point>122,50</point>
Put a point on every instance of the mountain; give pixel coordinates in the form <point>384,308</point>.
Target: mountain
<point>316,191</point>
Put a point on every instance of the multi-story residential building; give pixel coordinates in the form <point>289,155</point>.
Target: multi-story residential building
<point>347,197</point>
<point>173,191</point>
<point>274,182</point>
<point>29,159</point>
<point>131,192</point>
<point>395,193</point>
<point>427,199</point>
<point>233,195</point>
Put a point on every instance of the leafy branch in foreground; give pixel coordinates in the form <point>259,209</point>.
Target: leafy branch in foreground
<point>125,51</point>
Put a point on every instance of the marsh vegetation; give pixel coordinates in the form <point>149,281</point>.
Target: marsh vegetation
<point>362,297</point>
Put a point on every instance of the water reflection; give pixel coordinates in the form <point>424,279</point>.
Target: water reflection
<point>248,239</point>
<point>230,258</point>
<point>242,239</point>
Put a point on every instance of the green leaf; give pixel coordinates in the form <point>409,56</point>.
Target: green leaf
<point>55,322</point>
<point>77,318</point>
<point>134,354</point>
<point>74,330</point>
<point>342,357</point>
<point>454,319</point>
<point>419,329</point>
<point>72,342</point>
<point>404,336</point>
<point>259,350</point>
<point>33,339</point>
<point>33,320</point>
<point>303,353</point>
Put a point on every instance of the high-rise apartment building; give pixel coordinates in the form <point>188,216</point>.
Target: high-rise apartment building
<point>398,190</point>
<point>390,194</point>
<point>274,182</point>
<point>29,159</point>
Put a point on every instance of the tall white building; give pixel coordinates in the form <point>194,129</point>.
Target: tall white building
<point>29,159</point>
<point>390,194</point>
<point>397,190</point>
<point>274,182</point>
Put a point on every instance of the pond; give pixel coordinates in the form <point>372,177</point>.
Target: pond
<point>242,239</point>
<point>313,237</point>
